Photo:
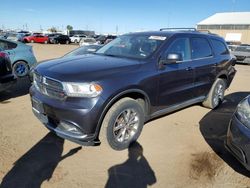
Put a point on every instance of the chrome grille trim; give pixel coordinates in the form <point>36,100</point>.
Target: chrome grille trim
<point>49,87</point>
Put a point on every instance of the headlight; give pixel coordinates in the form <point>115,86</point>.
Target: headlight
<point>82,89</point>
<point>243,112</point>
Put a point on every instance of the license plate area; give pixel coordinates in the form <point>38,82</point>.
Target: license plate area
<point>37,107</point>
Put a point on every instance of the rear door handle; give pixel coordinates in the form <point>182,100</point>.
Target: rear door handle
<point>189,69</point>
<point>215,65</point>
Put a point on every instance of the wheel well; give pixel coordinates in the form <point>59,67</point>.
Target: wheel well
<point>224,77</point>
<point>21,60</point>
<point>141,98</point>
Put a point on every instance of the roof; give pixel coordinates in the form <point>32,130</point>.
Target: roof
<point>227,18</point>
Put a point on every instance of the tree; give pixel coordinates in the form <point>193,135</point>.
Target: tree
<point>52,29</point>
<point>69,28</point>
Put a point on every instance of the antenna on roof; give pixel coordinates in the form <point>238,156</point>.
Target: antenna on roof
<point>178,29</point>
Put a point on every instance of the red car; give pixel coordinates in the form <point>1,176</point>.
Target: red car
<point>36,38</point>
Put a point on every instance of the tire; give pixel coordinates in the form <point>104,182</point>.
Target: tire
<point>129,113</point>
<point>76,41</point>
<point>20,69</point>
<point>216,94</point>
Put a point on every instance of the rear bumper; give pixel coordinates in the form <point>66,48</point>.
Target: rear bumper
<point>231,75</point>
<point>7,81</point>
<point>238,141</point>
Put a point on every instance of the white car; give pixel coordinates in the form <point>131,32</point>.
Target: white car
<point>87,41</point>
<point>77,38</point>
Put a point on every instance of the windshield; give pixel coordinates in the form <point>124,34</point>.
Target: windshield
<point>243,49</point>
<point>132,46</point>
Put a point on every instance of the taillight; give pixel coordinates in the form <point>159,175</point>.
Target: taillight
<point>4,55</point>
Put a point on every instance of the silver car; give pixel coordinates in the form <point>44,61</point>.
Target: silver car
<point>21,56</point>
<point>242,54</point>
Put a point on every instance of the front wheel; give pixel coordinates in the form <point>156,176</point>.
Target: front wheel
<point>216,94</point>
<point>20,69</point>
<point>122,124</point>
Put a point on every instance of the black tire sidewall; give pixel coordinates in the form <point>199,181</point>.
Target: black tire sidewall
<point>123,106</point>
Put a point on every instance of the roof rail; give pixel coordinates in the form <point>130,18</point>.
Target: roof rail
<point>204,31</point>
<point>178,29</point>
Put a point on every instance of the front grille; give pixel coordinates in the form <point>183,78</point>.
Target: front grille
<point>49,87</point>
<point>240,58</point>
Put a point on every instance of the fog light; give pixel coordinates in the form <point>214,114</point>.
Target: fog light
<point>69,127</point>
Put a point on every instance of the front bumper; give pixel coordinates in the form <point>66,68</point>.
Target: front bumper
<point>74,119</point>
<point>238,141</point>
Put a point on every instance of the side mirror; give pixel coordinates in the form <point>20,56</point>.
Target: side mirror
<point>172,59</point>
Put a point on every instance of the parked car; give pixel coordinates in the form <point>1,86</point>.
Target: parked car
<point>21,56</point>
<point>109,95</point>
<point>38,38</point>
<point>52,35</point>
<point>6,76</point>
<point>12,36</point>
<point>238,134</point>
<point>20,36</point>
<point>87,41</point>
<point>103,39</point>
<point>60,39</point>
<point>82,50</point>
<point>77,38</point>
<point>242,54</point>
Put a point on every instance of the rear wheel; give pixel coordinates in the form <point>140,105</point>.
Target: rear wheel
<point>20,69</point>
<point>122,124</point>
<point>76,41</point>
<point>216,94</point>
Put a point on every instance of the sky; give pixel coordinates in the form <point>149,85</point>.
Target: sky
<point>108,16</point>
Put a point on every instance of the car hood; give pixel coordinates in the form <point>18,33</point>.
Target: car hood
<point>85,67</point>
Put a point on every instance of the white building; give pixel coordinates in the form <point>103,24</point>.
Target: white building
<point>233,26</point>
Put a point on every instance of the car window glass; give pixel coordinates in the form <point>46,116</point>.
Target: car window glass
<point>3,45</point>
<point>11,45</point>
<point>219,47</point>
<point>200,48</point>
<point>180,46</point>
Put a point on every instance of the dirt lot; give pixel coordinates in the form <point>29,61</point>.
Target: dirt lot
<point>183,149</point>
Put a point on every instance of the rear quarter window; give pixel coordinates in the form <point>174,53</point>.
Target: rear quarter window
<point>219,47</point>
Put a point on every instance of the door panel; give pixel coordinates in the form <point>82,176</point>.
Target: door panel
<point>176,81</point>
<point>204,64</point>
<point>176,84</point>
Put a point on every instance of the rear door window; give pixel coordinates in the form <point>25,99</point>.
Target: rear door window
<point>200,48</point>
<point>219,47</point>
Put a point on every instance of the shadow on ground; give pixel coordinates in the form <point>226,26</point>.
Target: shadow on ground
<point>213,127</point>
<point>20,88</point>
<point>134,172</point>
<point>38,164</point>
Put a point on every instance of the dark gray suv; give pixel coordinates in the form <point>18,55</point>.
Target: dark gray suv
<point>109,95</point>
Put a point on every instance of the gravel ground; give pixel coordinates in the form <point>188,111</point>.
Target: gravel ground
<point>183,149</point>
